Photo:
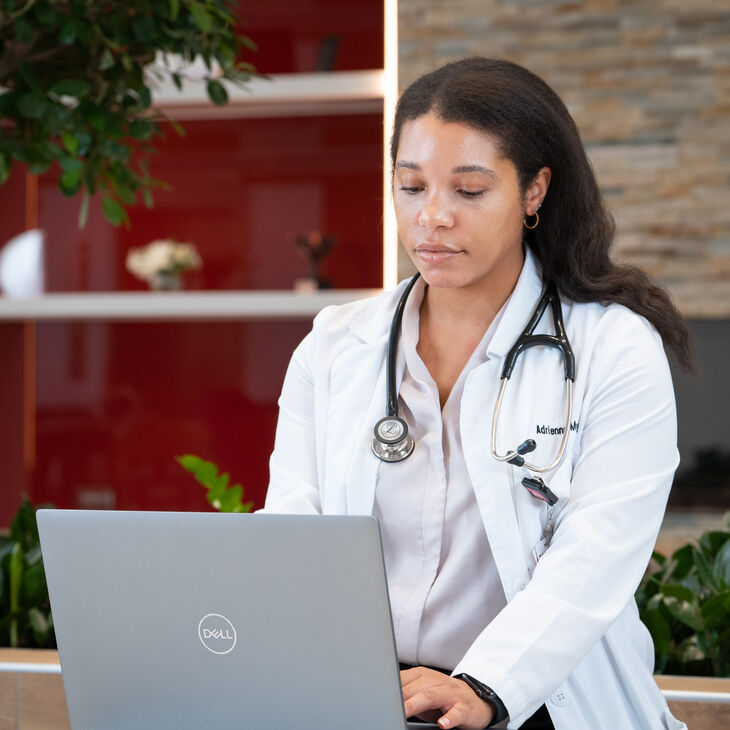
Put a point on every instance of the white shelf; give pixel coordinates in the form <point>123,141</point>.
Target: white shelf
<point>305,94</point>
<point>193,305</point>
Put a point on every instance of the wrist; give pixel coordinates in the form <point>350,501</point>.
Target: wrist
<point>488,695</point>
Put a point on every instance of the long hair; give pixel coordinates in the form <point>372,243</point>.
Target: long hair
<point>532,128</point>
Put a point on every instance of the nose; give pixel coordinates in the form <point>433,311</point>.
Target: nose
<point>435,213</point>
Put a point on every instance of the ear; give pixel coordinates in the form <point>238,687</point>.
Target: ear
<point>537,190</point>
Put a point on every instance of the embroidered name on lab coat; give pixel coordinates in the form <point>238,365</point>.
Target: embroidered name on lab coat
<point>556,430</point>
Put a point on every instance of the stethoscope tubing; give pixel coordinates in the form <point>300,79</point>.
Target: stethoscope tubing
<point>390,449</point>
<point>391,406</point>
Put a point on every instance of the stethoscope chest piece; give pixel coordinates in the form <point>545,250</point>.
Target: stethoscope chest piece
<point>392,441</point>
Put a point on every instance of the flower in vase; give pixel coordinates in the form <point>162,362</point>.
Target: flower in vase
<point>160,263</point>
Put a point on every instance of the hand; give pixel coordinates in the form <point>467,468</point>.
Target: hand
<point>436,697</point>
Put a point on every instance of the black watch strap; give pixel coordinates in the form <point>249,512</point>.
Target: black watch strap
<point>488,695</point>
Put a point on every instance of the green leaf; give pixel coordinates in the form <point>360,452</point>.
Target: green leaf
<point>6,165</point>
<point>23,30</point>
<point>34,590</point>
<point>141,129</point>
<point>220,496</point>
<point>712,541</point>
<point>174,9</point>
<point>659,630</point>
<point>721,567</point>
<point>72,87</point>
<point>113,211</point>
<point>24,528</point>
<point>38,166</point>
<point>106,61</point>
<point>726,520</point>
<point>67,34</point>
<point>70,182</point>
<point>71,143</point>
<point>705,572</point>
<point>217,92</point>
<point>201,17</point>
<point>15,574</point>
<point>143,27</point>
<point>45,14</point>
<point>32,104</point>
<point>177,81</point>
<point>38,621</point>
<point>145,97</point>
<point>677,591</point>
<point>680,563</point>
<point>687,613</point>
<point>126,195</point>
<point>84,140</point>
<point>716,611</point>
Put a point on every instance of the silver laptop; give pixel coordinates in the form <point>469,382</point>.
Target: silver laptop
<point>185,620</point>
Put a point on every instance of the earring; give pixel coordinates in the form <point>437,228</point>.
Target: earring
<point>534,225</point>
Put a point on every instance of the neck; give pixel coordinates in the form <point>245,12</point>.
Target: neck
<point>464,309</point>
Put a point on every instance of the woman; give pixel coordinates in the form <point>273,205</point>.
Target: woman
<point>507,609</point>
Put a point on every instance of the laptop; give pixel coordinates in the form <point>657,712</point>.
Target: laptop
<point>219,621</point>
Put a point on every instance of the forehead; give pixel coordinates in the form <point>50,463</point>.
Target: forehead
<point>429,137</point>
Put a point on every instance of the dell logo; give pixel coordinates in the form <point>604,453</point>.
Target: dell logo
<point>217,633</point>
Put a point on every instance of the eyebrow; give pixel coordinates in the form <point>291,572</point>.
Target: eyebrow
<point>457,170</point>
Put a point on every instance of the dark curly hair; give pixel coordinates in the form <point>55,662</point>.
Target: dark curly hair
<point>533,129</point>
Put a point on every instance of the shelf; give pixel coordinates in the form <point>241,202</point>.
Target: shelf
<point>305,94</point>
<point>193,305</point>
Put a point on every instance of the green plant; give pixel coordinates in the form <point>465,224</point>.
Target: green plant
<point>221,496</point>
<point>684,601</point>
<point>25,610</point>
<point>75,86</point>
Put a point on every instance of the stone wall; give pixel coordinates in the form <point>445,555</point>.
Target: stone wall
<point>648,83</point>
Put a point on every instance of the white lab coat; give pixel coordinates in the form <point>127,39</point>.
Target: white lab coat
<point>570,635</point>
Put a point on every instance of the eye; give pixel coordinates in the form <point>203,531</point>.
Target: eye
<point>411,189</point>
<point>471,193</point>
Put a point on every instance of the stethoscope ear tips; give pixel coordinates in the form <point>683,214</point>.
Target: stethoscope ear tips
<point>392,441</point>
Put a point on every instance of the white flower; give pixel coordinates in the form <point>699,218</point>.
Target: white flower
<point>158,256</point>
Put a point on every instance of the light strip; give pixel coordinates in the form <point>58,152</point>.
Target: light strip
<point>390,97</point>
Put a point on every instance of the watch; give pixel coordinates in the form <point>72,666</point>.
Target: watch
<point>488,695</point>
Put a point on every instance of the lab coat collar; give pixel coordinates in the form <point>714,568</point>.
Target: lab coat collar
<point>373,321</point>
<point>519,308</point>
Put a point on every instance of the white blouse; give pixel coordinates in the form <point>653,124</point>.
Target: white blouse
<point>443,582</point>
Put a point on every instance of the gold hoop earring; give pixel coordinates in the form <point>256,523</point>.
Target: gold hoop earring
<point>534,225</point>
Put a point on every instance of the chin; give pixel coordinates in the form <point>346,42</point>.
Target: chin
<point>444,279</point>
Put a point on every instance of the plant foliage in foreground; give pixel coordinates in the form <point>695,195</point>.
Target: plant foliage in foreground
<point>75,86</point>
<point>684,601</point>
<point>25,610</point>
<point>220,495</point>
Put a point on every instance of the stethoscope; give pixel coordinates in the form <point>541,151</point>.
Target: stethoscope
<point>392,440</point>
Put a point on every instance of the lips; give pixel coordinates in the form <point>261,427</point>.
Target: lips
<point>435,252</point>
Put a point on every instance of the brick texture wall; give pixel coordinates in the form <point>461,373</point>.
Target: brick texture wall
<point>648,83</point>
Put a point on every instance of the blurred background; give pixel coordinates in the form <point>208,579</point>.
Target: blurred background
<point>102,383</point>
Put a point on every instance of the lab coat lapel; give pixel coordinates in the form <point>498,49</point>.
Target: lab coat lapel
<point>358,386</point>
<point>494,481</point>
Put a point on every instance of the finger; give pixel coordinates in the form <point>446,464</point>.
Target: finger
<point>464,716</point>
<point>418,677</point>
<point>453,718</point>
<point>434,697</point>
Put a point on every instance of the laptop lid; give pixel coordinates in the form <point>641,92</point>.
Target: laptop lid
<point>187,620</point>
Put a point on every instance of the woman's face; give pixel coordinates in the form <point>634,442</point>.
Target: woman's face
<point>459,205</point>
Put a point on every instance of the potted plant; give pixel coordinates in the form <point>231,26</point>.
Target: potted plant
<point>76,86</point>
<point>684,600</point>
<point>25,610</point>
